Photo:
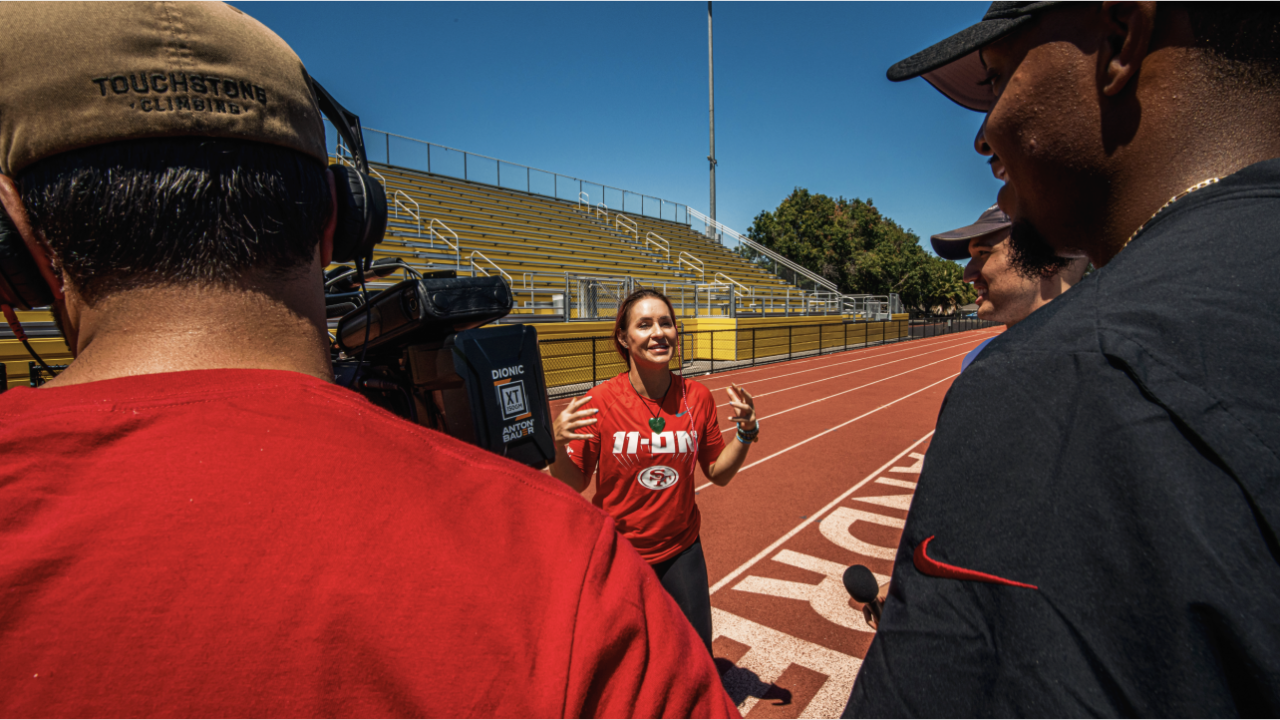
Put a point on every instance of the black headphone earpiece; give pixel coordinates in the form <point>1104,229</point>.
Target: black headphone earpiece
<point>362,201</point>
<point>360,223</point>
<point>21,284</point>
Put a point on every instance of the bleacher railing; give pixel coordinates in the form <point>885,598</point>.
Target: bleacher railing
<point>693,263</point>
<point>792,272</point>
<point>625,224</point>
<point>456,245</point>
<point>406,152</point>
<point>659,242</point>
<point>783,267</point>
<point>400,201</point>
<point>722,278</point>
<point>478,268</point>
<point>575,365</point>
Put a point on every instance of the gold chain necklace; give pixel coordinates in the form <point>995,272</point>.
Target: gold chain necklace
<point>1198,186</point>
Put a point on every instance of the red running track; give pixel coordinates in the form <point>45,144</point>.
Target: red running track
<point>843,438</point>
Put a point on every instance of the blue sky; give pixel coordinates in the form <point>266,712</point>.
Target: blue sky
<point>617,93</point>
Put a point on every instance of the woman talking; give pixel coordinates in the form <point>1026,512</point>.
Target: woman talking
<point>642,432</point>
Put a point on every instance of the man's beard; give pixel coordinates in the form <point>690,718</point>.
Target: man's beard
<point>1031,255</point>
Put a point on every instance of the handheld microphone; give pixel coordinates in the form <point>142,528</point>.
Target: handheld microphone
<point>862,586</point>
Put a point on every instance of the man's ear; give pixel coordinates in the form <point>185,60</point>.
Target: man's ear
<point>11,199</point>
<point>1129,27</point>
<point>330,225</point>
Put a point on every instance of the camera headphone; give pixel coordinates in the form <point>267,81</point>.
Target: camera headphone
<point>362,201</point>
<point>362,220</point>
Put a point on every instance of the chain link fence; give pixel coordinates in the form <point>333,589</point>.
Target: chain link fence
<point>573,366</point>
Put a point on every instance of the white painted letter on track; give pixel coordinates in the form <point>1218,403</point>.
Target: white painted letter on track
<point>913,469</point>
<point>828,598</point>
<point>772,651</point>
<point>838,528</point>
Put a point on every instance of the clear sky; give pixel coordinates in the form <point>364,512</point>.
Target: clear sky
<point>617,93</point>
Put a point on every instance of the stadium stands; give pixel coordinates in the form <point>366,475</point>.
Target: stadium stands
<point>564,261</point>
<point>551,249</point>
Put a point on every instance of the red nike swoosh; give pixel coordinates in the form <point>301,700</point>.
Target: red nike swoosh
<point>929,566</point>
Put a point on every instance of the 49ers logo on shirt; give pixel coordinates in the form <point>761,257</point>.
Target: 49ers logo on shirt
<point>658,477</point>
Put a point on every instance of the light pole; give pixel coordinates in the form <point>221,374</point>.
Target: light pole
<point>711,90</point>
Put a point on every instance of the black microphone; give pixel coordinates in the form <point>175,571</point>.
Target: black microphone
<point>862,586</point>
<point>344,279</point>
<point>338,310</point>
<point>339,280</point>
<point>382,267</point>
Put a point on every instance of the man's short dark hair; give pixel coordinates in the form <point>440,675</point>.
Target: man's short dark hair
<point>1241,38</point>
<point>176,210</point>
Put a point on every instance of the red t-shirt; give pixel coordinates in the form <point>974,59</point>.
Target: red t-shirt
<point>645,479</point>
<point>261,543</point>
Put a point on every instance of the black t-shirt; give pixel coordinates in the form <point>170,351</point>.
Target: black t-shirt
<point>1119,450</point>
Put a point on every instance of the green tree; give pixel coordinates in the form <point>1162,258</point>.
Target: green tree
<point>850,243</point>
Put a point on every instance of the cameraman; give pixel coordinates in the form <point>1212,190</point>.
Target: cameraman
<point>196,521</point>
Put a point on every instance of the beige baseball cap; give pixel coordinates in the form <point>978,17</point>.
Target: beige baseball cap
<point>79,74</point>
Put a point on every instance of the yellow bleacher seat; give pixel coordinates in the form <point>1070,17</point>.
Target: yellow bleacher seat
<point>535,241</point>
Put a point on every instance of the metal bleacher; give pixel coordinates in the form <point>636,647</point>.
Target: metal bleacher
<point>565,259</point>
<point>560,257</point>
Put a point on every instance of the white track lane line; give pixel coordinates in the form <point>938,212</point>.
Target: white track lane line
<point>814,517</point>
<point>854,372</point>
<point>846,392</point>
<point>913,346</point>
<point>833,429</point>
<point>798,361</point>
<point>811,358</point>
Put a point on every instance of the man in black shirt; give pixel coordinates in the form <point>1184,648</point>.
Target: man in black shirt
<point>1005,294</point>
<point>1102,540</point>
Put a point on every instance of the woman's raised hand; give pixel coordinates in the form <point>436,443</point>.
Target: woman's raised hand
<point>742,401</point>
<point>571,419</point>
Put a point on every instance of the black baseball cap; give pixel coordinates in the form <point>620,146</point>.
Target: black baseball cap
<point>953,67</point>
<point>954,244</point>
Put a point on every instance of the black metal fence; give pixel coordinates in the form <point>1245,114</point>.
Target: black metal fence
<point>573,366</point>
<point>39,376</point>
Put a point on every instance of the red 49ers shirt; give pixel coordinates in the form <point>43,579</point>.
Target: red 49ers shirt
<point>646,479</point>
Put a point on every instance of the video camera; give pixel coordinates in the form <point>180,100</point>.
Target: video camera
<point>417,349</point>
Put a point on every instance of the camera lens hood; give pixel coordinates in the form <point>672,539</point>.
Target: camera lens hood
<point>431,307</point>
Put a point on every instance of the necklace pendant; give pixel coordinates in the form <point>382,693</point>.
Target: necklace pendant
<point>657,424</point>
